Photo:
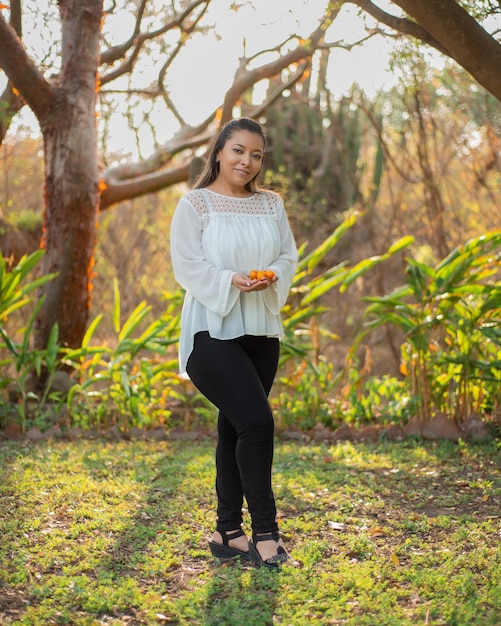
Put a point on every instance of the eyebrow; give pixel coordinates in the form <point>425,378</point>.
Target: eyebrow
<point>242,146</point>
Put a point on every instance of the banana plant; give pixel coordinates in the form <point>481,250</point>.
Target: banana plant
<point>21,362</point>
<point>450,316</point>
<point>122,381</point>
<point>14,291</point>
<point>309,286</point>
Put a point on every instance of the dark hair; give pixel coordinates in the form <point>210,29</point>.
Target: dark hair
<point>211,169</point>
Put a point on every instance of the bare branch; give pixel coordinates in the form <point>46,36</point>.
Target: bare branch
<point>245,79</point>
<point>108,57</point>
<point>132,180</point>
<point>16,17</point>
<point>23,73</point>
<point>137,41</point>
<point>279,90</point>
<point>148,176</point>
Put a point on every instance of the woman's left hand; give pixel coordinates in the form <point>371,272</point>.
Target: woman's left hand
<point>246,284</point>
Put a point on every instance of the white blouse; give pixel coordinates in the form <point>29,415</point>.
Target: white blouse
<point>215,236</point>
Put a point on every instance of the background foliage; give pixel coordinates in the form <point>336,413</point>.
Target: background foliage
<point>421,159</point>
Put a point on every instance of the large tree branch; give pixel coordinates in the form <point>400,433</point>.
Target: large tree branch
<point>23,73</point>
<point>12,102</point>
<point>141,185</point>
<point>135,179</point>
<point>463,38</point>
<point>400,24</point>
<point>446,26</point>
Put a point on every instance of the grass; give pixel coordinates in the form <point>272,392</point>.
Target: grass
<point>94,532</point>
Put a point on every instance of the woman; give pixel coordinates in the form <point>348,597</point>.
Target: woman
<point>230,327</point>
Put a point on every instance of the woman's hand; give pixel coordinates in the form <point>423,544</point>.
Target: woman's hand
<point>244,283</point>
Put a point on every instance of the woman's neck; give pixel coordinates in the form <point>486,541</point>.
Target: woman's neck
<point>226,190</point>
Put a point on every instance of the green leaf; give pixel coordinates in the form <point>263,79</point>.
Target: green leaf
<point>135,318</point>
<point>116,306</point>
<point>91,330</point>
<point>313,259</point>
<point>8,342</point>
<point>402,243</point>
<point>52,349</point>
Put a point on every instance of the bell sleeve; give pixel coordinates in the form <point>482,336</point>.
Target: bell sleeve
<point>207,283</point>
<point>284,265</point>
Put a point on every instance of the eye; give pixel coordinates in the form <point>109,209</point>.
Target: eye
<point>237,150</point>
<point>257,157</point>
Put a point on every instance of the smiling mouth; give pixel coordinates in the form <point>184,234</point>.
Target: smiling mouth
<point>242,172</point>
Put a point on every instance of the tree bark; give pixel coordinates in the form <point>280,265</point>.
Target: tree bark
<point>463,38</point>
<point>72,176</point>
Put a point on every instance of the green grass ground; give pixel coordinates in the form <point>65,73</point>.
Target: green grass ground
<point>95,532</point>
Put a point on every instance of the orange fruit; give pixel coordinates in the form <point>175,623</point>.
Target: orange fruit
<point>270,274</point>
<point>253,274</point>
<point>261,275</point>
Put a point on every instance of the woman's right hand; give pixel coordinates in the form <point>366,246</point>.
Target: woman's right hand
<point>246,284</point>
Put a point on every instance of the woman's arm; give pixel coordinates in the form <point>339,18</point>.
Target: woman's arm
<point>285,264</point>
<point>207,283</point>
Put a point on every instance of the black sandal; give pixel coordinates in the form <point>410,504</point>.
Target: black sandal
<point>223,550</point>
<point>273,562</point>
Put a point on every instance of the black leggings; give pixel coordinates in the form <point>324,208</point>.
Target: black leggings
<point>236,375</point>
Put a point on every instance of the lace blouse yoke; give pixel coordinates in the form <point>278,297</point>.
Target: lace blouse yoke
<point>205,202</point>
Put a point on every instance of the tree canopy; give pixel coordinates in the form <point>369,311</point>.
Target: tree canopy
<point>94,55</point>
<point>454,29</point>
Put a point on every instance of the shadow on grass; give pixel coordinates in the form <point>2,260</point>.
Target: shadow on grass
<point>162,548</point>
<point>161,474</point>
<point>62,503</point>
<point>13,601</point>
<point>117,532</point>
<point>240,593</point>
<point>417,477</point>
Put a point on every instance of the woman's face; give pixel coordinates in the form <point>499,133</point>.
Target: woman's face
<point>241,158</point>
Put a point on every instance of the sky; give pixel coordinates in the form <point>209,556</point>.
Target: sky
<point>205,68</point>
<point>271,21</point>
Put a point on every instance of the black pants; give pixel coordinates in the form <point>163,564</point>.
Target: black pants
<point>236,375</point>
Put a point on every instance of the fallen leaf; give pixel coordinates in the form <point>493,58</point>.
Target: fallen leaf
<point>394,559</point>
<point>336,525</point>
<point>485,497</point>
<point>376,532</point>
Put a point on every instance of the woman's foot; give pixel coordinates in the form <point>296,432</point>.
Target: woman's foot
<point>268,549</point>
<point>240,542</point>
<point>230,543</point>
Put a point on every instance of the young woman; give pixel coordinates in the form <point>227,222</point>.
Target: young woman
<point>230,327</point>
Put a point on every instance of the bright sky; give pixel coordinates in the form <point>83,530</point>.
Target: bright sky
<point>206,66</point>
<point>263,26</point>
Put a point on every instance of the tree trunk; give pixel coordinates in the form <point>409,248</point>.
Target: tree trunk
<point>72,177</point>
